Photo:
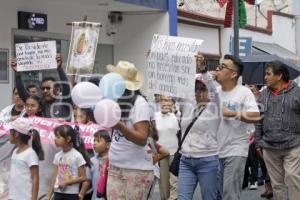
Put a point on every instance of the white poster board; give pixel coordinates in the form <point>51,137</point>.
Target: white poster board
<point>83,46</point>
<point>172,66</point>
<point>36,56</point>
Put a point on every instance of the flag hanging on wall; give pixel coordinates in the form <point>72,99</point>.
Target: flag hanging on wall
<point>229,11</point>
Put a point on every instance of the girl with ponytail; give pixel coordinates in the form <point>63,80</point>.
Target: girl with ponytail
<point>24,169</point>
<point>69,164</point>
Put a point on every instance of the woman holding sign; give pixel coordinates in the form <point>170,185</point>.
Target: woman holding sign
<point>130,173</point>
<point>199,162</point>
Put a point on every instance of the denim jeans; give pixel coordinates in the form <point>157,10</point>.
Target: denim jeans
<point>204,171</point>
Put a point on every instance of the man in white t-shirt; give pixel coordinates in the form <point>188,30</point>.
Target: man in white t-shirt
<point>238,107</point>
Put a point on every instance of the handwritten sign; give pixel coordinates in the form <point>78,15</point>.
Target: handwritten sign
<point>36,56</point>
<point>172,66</point>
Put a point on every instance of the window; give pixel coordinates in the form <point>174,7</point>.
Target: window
<point>4,65</point>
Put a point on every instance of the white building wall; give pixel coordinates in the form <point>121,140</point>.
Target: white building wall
<point>284,31</point>
<point>210,36</point>
<point>212,8</point>
<point>296,11</point>
<point>297,21</point>
<point>133,38</point>
<point>283,34</point>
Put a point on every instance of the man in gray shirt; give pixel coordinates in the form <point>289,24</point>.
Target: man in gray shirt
<point>278,133</point>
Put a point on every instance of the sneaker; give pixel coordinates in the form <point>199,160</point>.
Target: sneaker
<point>253,186</point>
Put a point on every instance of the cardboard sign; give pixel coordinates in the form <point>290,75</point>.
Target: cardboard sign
<point>36,56</point>
<point>172,66</point>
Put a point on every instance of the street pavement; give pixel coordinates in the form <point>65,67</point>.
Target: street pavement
<point>247,194</point>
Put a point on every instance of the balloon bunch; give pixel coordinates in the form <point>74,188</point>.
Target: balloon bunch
<point>102,99</point>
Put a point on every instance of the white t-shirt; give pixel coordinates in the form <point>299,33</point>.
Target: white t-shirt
<point>232,133</point>
<point>68,164</point>
<point>20,183</point>
<point>126,154</point>
<point>167,127</point>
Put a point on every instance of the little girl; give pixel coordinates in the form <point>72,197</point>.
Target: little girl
<point>33,106</point>
<point>24,170</point>
<point>69,164</point>
<point>84,115</point>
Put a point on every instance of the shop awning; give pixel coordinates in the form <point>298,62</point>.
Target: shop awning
<point>274,49</point>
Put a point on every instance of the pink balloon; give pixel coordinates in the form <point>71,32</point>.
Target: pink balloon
<point>107,113</point>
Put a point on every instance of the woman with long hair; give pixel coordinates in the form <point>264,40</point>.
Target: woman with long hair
<point>130,172</point>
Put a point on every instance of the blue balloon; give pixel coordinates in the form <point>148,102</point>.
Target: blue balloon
<point>112,86</point>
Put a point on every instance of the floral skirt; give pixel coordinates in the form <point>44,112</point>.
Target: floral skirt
<point>128,184</point>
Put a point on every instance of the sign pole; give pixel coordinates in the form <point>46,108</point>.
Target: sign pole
<point>236,28</point>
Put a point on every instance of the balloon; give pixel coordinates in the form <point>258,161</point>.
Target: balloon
<point>107,113</point>
<point>112,86</point>
<point>85,95</point>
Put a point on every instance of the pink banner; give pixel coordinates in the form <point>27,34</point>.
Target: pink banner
<point>46,126</point>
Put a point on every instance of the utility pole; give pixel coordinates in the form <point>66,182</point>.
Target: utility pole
<point>236,28</point>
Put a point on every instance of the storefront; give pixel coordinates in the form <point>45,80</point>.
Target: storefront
<point>127,38</point>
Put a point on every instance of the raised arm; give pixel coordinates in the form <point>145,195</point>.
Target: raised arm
<point>23,93</point>
<point>66,88</point>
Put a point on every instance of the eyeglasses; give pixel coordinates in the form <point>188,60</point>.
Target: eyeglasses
<point>224,66</point>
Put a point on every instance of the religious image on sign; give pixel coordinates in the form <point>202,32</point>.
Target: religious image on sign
<point>172,66</point>
<point>83,46</point>
<point>36,56</point>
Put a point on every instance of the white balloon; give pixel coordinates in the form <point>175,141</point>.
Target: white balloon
<point>85,95</point>
<point>107,113</point>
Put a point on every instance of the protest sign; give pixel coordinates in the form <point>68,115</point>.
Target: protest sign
<point>172,66</point>
<point>36,56</point>
<point>83,46</point>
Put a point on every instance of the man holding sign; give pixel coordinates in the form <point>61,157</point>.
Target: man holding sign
<point>55,106</point>
<point>238,108</point>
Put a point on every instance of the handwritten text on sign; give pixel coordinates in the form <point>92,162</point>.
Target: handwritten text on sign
<point>172,66</point>
<point>36,56</point>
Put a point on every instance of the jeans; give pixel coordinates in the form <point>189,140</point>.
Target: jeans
<point>232,175</point>
<point>62,196</point>
<point>203,170</point>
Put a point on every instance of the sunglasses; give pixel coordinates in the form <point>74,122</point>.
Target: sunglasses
<point>45,88</point>
<point>224,66</point>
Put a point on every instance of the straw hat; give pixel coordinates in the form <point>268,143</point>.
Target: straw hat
<point>133,78</point>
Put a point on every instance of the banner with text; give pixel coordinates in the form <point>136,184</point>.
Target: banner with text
<point>46,126</point>
<point>172,66</point>
<point>36,56</point>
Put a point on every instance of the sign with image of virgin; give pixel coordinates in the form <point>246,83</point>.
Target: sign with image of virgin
<point>36,56</point>
<point>83,47</point>
<point>172,66</point>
